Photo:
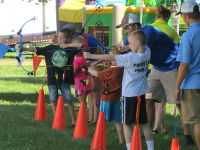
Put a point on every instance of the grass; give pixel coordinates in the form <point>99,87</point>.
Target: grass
<point>18,96</point>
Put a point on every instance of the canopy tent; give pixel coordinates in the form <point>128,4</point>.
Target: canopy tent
<point>72,11</point>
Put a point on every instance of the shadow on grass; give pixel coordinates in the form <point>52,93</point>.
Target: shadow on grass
<point>28,79</point>
<point>29,97</point>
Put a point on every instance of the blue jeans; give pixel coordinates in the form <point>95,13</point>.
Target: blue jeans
<point>65,92</point>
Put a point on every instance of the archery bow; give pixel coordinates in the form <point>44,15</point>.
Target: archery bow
<point>21,42</point>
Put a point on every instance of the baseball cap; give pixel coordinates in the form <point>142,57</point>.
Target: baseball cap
<point>70,26</point>
<point>128,19</point>
<point>189,7</point>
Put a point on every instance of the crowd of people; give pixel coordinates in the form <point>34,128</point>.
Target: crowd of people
<point>113,81</point>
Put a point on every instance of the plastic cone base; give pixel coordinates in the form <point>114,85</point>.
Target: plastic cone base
<point>175,144</point>
<point>40,111</point>
<point>99,138</point>
<point>59,121</point>
<point>81,127</point>
<point>136,139</point>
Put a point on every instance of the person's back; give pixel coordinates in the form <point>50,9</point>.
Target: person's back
<point>191,38</point>
<point>161,23</point>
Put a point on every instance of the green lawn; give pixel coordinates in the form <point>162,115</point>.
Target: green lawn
<point>18,96</point>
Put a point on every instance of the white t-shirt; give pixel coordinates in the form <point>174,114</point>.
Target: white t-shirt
<point>135,69</point>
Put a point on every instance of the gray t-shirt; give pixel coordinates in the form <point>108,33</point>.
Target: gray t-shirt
<point>135,69</point>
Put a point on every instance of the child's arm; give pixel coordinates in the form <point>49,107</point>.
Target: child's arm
<point>88,55</point>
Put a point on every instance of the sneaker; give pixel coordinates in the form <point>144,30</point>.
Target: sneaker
<point>188,141</point>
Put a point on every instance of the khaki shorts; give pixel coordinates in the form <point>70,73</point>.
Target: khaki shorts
<point>162,85</point>
<point>190,104</point>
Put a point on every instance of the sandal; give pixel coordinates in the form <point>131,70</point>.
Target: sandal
<point>155,131</point>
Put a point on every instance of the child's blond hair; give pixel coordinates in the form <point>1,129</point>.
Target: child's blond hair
<point>139,35</point>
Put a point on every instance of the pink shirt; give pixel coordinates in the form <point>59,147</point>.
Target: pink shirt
<point>79,61</point>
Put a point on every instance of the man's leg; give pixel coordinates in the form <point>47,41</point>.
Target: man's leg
<point>150,108</point>
<point>186,129</point>
<point>197,134</point>
<point>148,136</point>
<point>159,115</point>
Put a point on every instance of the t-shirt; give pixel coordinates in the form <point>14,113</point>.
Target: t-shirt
<point>163,49</point>
<point>55,74</point>
<point>111,83</point>
<point>93,44</point>
<point>189,52</point>
<point>135,65</point>
<point>79,61</point>
<point>164,27</point>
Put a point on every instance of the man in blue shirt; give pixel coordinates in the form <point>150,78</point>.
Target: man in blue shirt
<point>188,81</point>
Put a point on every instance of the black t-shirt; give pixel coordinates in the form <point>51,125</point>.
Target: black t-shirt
<point>55,74</point>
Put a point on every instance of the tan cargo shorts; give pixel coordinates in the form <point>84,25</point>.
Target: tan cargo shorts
<point>162,85</point>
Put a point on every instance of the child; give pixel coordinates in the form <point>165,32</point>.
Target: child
<point>81,76</point>
<point>134,83</point>
<point>111,78</point>
<point>59,71</point>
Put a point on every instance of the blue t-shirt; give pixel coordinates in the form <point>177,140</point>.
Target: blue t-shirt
<point>189,52</point>
<point>93,44</point>
<point>163,49</point>
<point>135,65</point>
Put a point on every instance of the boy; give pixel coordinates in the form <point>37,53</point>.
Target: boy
<point>134,83</point>
<point>59,63</point>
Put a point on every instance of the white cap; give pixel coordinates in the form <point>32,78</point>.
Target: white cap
<point>189,7</point>
<point>128,19</point>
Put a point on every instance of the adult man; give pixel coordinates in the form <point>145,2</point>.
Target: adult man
<point>188,80</point>
<point>163,58</point>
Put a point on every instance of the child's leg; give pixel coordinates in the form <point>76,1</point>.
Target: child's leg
<point>71,112</point>
<point>119,131</point>
<point>66,93</point>
<point>127,135</point>
<point>53,96</point>
<point>53,104</point>
<point>91,107</point>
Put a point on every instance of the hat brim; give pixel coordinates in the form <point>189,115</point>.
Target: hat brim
<point>119,26</point>
<point>178,13</point>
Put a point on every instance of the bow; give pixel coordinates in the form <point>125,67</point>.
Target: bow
<point>21,42</point>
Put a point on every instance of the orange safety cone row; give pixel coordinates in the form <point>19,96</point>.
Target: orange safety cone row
<point>81,127</point>
<point>99,138</point>
<point>40,111</point>
<point>136,143</point>
<point>175,144</point>
<point>59,121</point>
<point>36,63</point>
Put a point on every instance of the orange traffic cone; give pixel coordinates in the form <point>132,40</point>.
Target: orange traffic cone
<point>175,144</point>
<point>99,139</point>
<point>40,111</point>
<point>136,139</point>
<point>59,121</point>
<point>81,128</point>
<point>36,63</point>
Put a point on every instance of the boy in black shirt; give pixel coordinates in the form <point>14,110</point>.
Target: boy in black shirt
<point>59,63</point>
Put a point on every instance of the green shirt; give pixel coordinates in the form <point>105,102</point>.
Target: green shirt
<point>163,26</point>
